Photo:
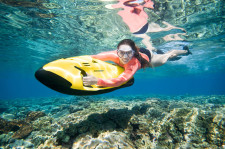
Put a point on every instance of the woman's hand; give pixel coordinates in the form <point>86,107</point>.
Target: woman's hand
<point>90,80</point>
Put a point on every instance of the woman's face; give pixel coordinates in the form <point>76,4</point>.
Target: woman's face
<point>125,53</point>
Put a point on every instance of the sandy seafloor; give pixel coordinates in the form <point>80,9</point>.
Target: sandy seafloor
<point>129,122</point>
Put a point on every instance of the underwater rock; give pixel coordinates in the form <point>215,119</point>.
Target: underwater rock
<point>61,113</point>
<point>155,113</point>
<point>34,115</point>
<point>23,132</point>
<point>22,128</point>
<point>28,145</point>
<point>124,122</point>
<point>44,124</point>
<point>182,127</point>
<point>5,139</point>
<point>114,119</point>
<point>105,140</point>
<point>8,116</point>
<point>50,144</point>
<point>142,109</point>
<point>73,109</point>
<point>155,123</point>
<point>39,139</point>
<point>7,126</point>
<point>43,128</point>
<point>26,128</point>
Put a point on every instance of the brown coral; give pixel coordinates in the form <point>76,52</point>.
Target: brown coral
<point>22,128</point>
<point>23,132</point>
<point>33,115</point>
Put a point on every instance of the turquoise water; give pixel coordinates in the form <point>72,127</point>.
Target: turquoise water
<point>35,32</point>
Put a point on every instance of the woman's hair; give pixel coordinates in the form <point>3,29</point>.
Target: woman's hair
<point>129,42</point>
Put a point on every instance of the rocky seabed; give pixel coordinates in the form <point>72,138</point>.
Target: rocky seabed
<point>134,122</point>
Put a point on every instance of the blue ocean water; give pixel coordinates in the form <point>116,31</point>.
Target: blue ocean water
<point>35,33</point>
<point>177,105</point>
<point>19,85</point>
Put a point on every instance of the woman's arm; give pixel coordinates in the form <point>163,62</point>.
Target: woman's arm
<point>124,77</point>
<point>130,70</point>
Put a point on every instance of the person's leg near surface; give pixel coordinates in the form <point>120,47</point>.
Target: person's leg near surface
<point>148,44</point>
<point>146,41</point>
<point>174,53</point>
<point>160,59</point>
<point>154,27</point>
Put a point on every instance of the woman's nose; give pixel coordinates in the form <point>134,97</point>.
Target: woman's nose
<point>125,55</point>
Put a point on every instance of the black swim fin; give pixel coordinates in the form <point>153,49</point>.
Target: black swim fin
<point>174,59</point>
<point>158,51</point>
<point>187,49</point>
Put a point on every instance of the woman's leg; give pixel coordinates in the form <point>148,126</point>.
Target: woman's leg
<point>160,59</point>
<point>176,36</point>
<point>154,27</point>
<point>146,41</point>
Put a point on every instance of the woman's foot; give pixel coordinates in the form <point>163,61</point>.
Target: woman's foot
<point>174,58</point>
<point>158,51</point>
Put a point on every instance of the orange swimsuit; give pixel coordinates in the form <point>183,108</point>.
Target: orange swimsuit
<point>130,68</point>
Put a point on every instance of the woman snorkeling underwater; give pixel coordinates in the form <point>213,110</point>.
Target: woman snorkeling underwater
<point>131,58</point>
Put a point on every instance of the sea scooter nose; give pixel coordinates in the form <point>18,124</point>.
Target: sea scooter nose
<point>53,81</point>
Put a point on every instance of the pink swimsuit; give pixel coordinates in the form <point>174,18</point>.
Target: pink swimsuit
<point>130,68</point>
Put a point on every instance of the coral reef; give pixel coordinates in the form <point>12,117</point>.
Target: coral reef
<point>32,116</point>
<point>104,140</point>
<point>6,126</point>
<point>22,128</point>
<point>23,132</point>
<point>122,122</point>
<point>96,123</point>
<point>155,123</point>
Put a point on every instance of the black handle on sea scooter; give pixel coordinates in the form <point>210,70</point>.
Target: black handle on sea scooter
<point>84,74</point>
